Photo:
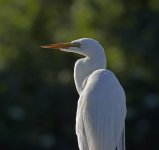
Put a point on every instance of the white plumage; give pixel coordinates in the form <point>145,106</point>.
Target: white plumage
<point>101,110</point>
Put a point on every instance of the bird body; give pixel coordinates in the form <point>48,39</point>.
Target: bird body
<point>100,120</point>
<point>101,109</point>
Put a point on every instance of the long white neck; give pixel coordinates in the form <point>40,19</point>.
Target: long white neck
<point>85,67</point>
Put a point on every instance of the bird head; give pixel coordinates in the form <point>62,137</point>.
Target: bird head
<point>83,46</point>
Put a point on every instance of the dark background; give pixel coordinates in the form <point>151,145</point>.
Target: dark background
<point>37,93</point>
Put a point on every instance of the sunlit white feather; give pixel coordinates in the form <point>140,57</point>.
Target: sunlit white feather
<point>101,110</point>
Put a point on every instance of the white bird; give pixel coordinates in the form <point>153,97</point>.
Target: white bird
<point>101,110</point>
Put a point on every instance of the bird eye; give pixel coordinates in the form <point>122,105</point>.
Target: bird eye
<point>75,44</point>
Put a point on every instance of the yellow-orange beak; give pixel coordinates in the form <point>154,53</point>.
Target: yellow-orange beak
<point>58,46</point>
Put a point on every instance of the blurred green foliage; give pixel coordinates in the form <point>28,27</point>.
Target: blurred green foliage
<point>37,94</point>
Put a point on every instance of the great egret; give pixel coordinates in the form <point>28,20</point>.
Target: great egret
<point>101,110</point>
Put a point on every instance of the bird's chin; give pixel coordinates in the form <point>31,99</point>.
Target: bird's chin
<point>68,49</point>
<point>65,50</point>
<point>73,49</point>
